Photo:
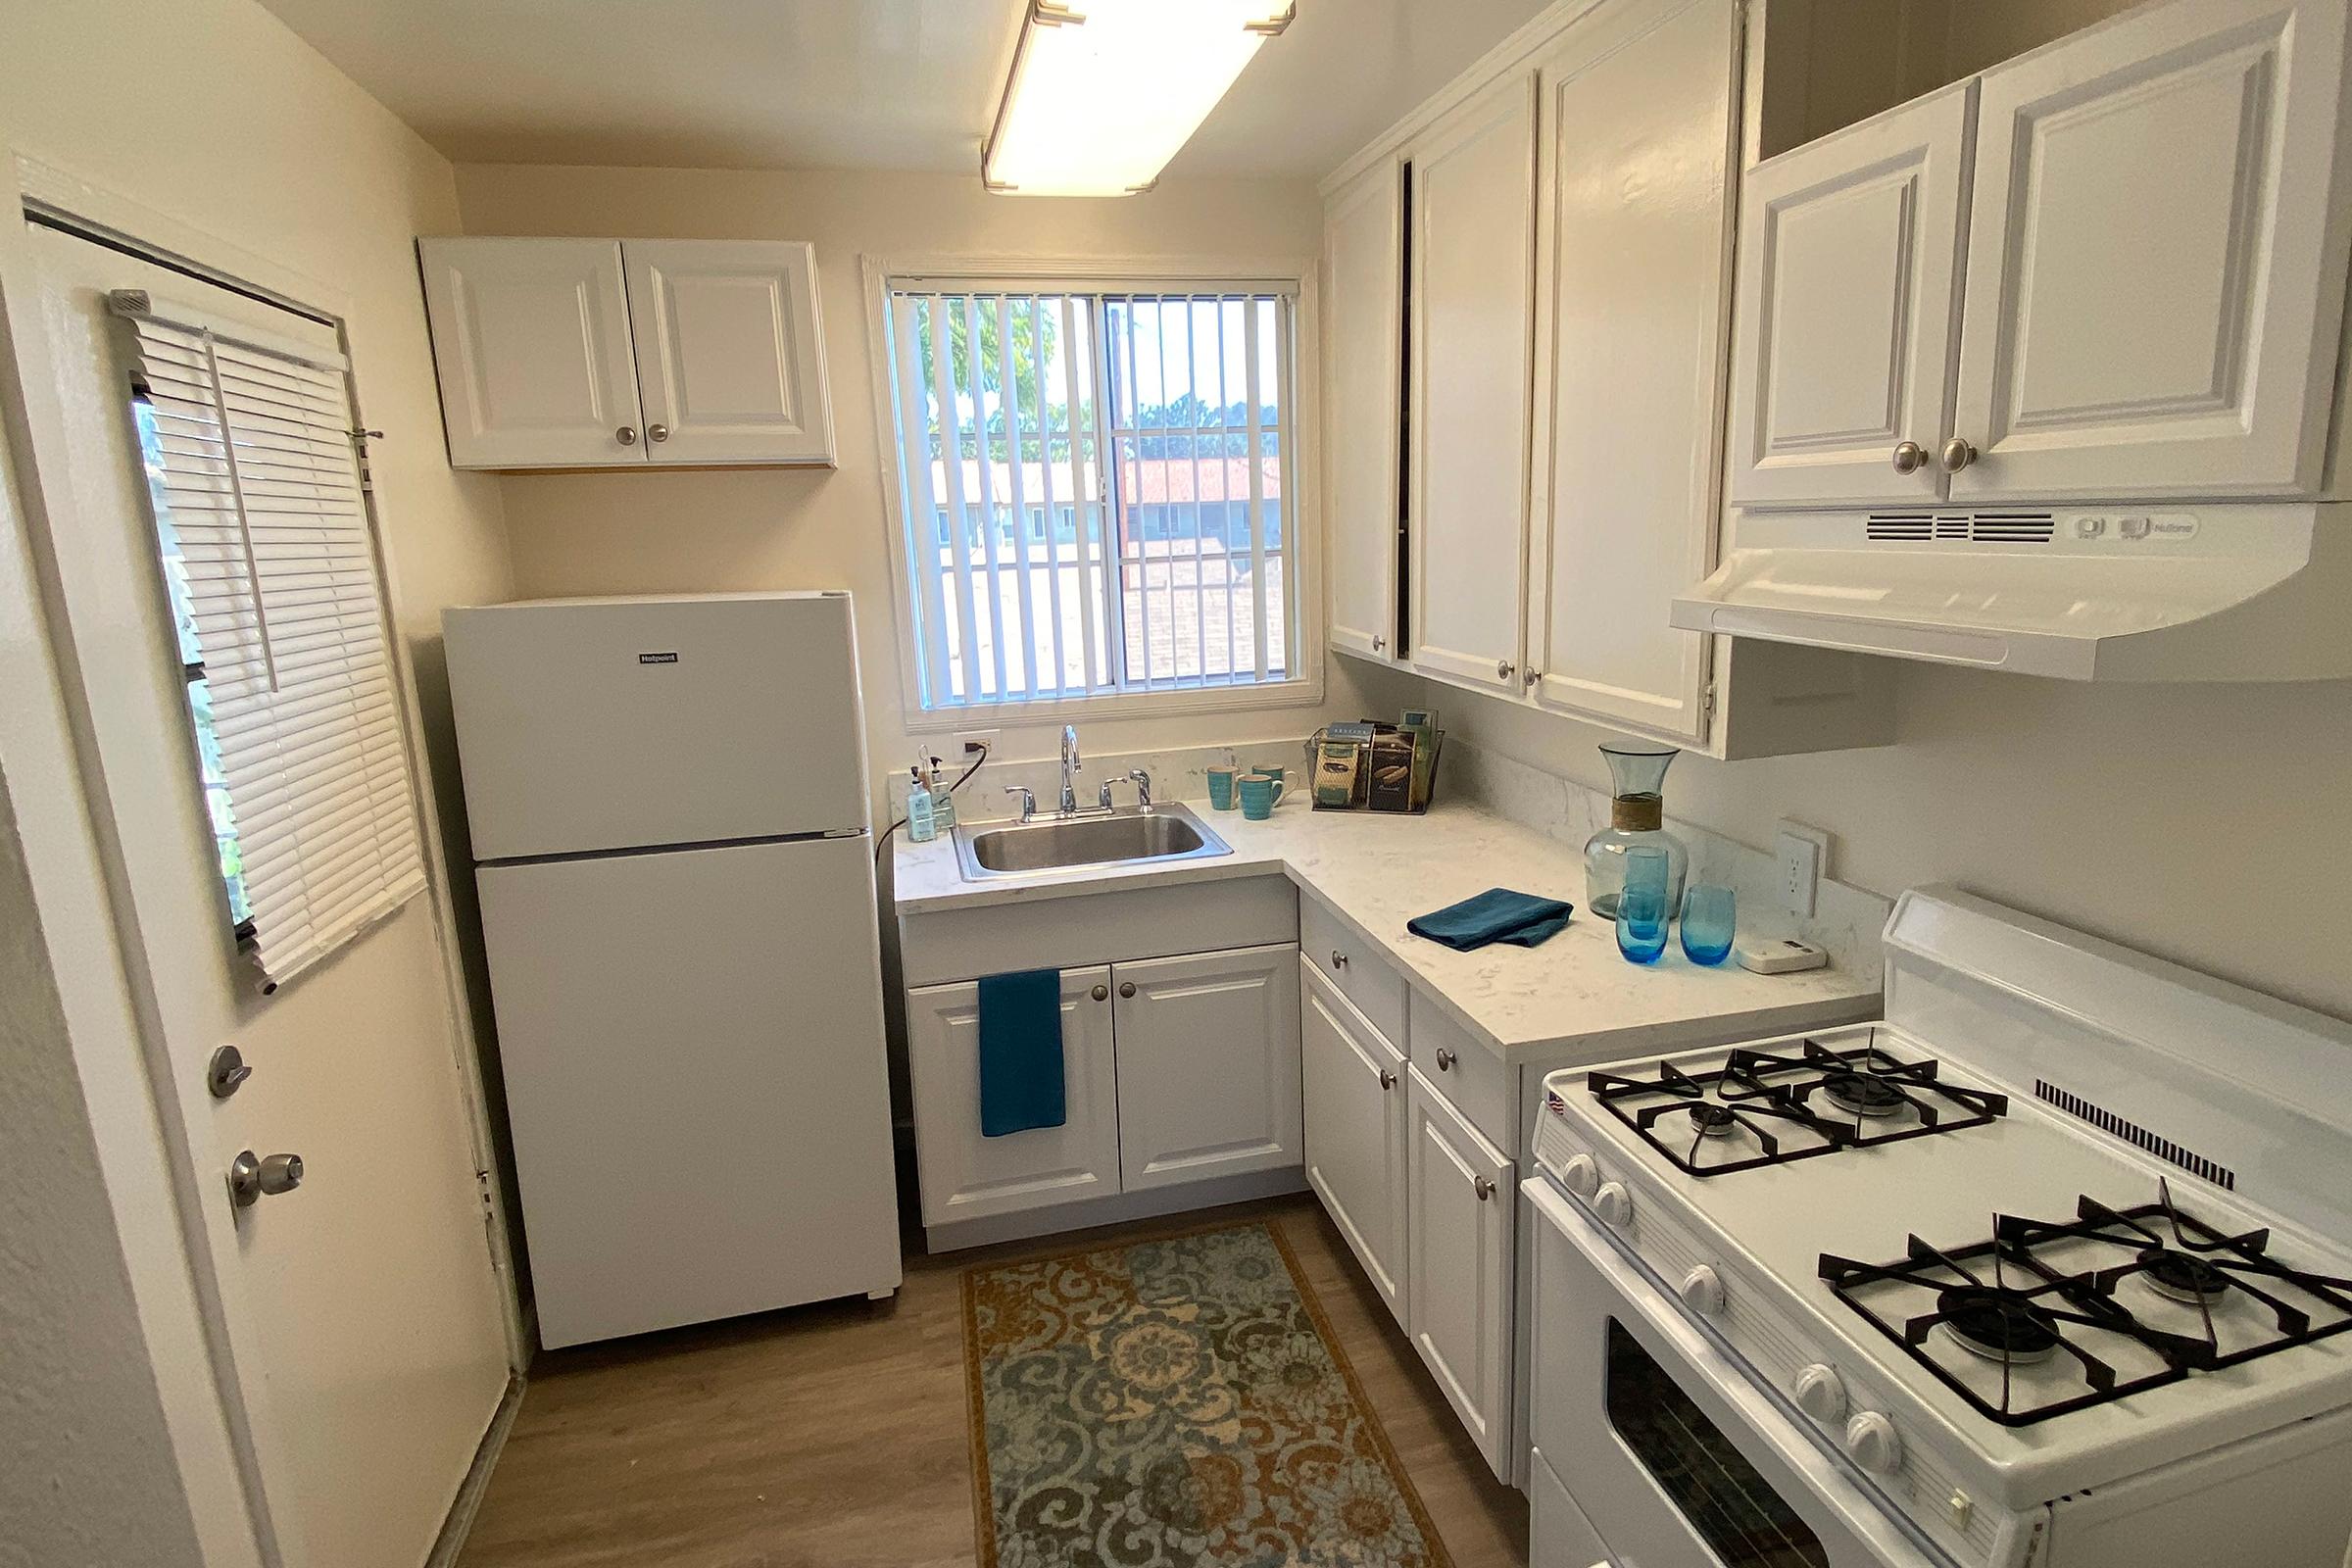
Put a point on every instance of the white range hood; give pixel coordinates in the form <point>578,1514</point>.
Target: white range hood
<point>2226,592</point>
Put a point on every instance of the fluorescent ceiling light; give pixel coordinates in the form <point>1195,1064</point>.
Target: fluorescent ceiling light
<point>1103,92</point>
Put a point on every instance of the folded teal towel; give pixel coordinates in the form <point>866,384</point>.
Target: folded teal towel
<point>1496,915</point>
<point>1020,1052</point>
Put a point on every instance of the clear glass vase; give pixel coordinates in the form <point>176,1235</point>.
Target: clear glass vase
<point>1636,816</point>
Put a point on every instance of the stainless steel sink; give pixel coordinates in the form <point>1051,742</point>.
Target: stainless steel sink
<point>1046,844</point>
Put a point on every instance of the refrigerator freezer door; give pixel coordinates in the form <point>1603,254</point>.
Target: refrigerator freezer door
<point>692,1044</point>
<point>622,723</point>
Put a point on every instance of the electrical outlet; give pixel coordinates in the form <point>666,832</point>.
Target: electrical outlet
<point>972,742</point>
<point>1804,854</point>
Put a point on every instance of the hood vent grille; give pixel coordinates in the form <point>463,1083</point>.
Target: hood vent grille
<point>1960,527</point>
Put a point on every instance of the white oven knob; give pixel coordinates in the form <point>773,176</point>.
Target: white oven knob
<point>1820,1392</point>
<point>1580,1175</point>
<point>1871,1438</point>
<point>1702,1291</point>
<point>1614,1203</point>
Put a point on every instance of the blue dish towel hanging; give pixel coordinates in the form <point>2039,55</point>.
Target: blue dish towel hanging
<point>1497,914</point>
<point>1020,1052</point>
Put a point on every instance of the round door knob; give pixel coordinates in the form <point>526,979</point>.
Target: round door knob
<point>1485,1189</point>
<point>1446,1060</point>
<point>1614,1203</point>
<point>252,1178</point>
<point>657,433</point>
<point>1872,1439</point>
<point>1387,1078</point>
<point>1702,1291</point>
<point>626,435</point>
<point>1821,1393</point>
<point>1126,988</point>
<point>1957,455</point>
<point>1909,457</point>
<point>1102,993</point>
<point>1580,1175</point>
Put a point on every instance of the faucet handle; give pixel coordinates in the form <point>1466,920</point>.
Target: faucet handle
<point>1028,798</point>
<point>1142,781</point>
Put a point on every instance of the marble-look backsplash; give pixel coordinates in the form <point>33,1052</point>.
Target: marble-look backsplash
<point>1847,920</point>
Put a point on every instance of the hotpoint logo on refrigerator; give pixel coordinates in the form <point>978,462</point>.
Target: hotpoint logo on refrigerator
<point>656,659</point>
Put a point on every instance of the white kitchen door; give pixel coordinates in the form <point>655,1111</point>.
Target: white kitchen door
<point>363,1350</point>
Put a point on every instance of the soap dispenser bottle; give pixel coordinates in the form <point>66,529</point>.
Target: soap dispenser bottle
<point>943,800</point>
<point>921,825</point>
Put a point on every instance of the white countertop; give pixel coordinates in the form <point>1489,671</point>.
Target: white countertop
<point>1575,997</point>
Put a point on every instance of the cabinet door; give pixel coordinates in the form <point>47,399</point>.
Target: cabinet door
<point>730,355</point>
<point>1208,1065</point>
<point>1633,268</point>
<point>531,342</point>
<point>1472,325</point>
<point>1363,252</point>
<point>1353,1082</point>
<point>2156,258</point>
<point>1458,1270</point>
<point>966,1176</point>
<point>1843,325</point>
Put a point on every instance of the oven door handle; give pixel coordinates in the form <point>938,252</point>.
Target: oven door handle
<point>1702,1359</point>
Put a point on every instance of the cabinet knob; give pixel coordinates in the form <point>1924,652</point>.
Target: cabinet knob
<point>657,433</point>
<point>1379,643</point>
<point>1387,1078</point>
<point>1445,1058</point>
<point>1102,993</point>
<point>1339,960</point>
<point>1529,678</point>
<point>1485,1189</point>
<point>626,435</point>
<point>1126,988</point>
<point>1909,457</point>
<point>1504,668</point>
<point>1957,455</point>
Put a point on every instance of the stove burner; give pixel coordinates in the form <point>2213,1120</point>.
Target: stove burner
<point>2183,1276</point>
<point>2000,1325</point>
<point>1713,1120</point>
<point>1860,1094</point>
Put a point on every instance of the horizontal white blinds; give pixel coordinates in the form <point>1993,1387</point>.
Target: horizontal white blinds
<point>263,497</point>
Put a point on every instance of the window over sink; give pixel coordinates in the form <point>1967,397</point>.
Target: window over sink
<point>1096,491</point>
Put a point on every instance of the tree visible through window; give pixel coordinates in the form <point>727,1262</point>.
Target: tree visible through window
<point>1096,489</point>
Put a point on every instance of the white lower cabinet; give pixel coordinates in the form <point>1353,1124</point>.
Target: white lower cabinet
<point>966,1176</point>
<point>1354,1082</point>
<point>1207,1047</point>
<point>1459,1195</point>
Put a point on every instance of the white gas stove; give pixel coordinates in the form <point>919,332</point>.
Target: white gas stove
<point>2052,1266</point>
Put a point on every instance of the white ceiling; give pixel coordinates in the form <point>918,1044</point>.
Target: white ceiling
<point>905,84</point>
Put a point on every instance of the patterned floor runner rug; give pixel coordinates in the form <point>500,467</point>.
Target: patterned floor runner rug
<point>1175,1403</point>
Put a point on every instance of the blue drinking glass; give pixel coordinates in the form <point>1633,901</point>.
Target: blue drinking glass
<point>1644,907</point>
<point>1709,918</point>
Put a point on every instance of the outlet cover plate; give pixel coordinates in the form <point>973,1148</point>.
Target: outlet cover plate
<point>1803,855</point>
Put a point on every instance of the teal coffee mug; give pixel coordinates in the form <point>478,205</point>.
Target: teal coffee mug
<point>1259,792</point>
<point>1220,787</point>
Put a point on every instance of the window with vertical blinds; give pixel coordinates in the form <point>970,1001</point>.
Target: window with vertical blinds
<point>1096,488</point>
<point>272,571</point>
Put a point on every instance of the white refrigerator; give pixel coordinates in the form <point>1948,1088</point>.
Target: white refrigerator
<point>668,799</point>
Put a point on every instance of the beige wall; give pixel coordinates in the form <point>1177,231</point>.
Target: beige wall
<point>2211,825</point>
<point>687,531</point>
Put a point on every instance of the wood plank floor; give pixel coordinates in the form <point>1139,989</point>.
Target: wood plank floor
<point>835,1435</point>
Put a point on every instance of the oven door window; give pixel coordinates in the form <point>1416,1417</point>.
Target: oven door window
<point>1734,1511</point>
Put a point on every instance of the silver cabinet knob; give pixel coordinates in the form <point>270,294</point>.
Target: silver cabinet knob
<point>1530,677</point>
<point>1102,993</point>
<point>1485,1187</point>
<point>1445,1058</point>
<point>1909,457</point>
<point>251,1178</point>
<point>226,1072</point>
<point>1379,643</point>
<point>657,433</point>
<point>626,435</point>
<point>1387,1078</point>
<point>1126,988</point>
<point>1957,455</point>
<point>1504,668</point>
<point>1339,960</point>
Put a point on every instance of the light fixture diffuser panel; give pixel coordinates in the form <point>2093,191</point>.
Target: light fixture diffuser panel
<point>1105,92</point>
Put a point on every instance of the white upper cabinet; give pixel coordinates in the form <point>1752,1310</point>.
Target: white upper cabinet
<point>1472,323</point>
<point>531,339</point>
<point>1363,252</point>
<point>2156,258</point>
<point>566,352</point>
<point>1633,261</point>
<point>1849,272</point>
<point>730,366</point>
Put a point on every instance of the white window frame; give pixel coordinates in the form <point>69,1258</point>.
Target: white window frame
<point>1101,274</point>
